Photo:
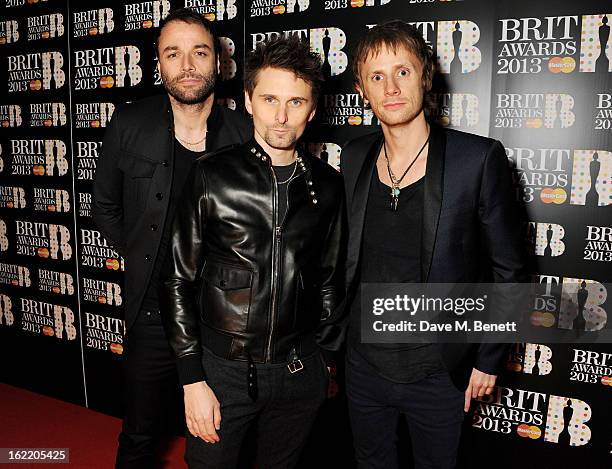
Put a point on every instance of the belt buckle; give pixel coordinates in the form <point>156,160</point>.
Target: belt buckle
<point>295,366</point>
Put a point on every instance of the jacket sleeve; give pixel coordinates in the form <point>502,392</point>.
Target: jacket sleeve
<point>330,332</point>
<point>107,210</point>
<point>180,277</point>
<point>501,226</point>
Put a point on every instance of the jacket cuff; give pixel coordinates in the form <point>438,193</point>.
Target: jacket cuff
<point>190,369</point>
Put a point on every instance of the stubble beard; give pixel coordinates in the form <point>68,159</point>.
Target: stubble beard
<point>283,142</point>
<point>192,96</point>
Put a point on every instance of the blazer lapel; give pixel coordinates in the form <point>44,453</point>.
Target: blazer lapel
<point>432,203</point>
<point>359,203</point>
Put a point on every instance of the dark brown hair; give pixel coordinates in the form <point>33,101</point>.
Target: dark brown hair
<point>190,17</point>
<point>394,34</point>
<point>286,53</point>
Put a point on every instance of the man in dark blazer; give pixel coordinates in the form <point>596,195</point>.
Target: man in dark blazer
<point>147,154</point>
<point>425,205</point>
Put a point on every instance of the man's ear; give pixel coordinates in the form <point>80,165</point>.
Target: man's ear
<point>219,65</point>
<point>312,113</point>
<point>247,102</point>
<point>357,87</point>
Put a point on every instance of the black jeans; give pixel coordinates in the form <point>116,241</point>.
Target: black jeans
<point>284,412</point>
<point>153,398</point>
<point>431,407</point>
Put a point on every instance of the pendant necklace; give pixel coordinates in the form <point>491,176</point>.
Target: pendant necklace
<point>395,183</point>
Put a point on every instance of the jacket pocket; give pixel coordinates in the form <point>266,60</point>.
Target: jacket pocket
<point>225,298</point>
<point>138,172</point>
<point>136,166</point>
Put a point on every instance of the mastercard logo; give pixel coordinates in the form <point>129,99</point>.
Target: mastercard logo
<point>51,208</point>
<point>9,205</point>
<point>35,85</point>
<point>529,431</point>
<point>553,196</point>
<point>561,65</point>
<point>42,252</point>
<point>278,9</point>
<point>540,319</point>
<point>107,82</point>
<point>514,367</point>
<point>606,380</point>
<point>47,122</point>
<point>357,3</point>
<point>147,24</point>
<point>45,35</point>
<point>38,170</point>
<point>116,348</point>
<point>112,264</point>
<point>5,123</point>
<point>210,16</point>
<point>94,124</point>
<point>14,283</point>
<point>2,40</point>
<point>48,330</point>
<point>55,289</point>
<point>355,120</point>
<point>102,300</point>
<point>32,2</point>
<point>93,31</point>
<point>533,123</point>
<point>444,120</point>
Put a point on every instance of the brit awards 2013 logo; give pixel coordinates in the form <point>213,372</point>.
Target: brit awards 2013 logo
<point>93,22</point>
<point>100,291</point>
<point>47,319</point>
<point>545,239</point>
<point>589,366</point>
<point>214,10</point>
<point>47,199</point>
<point>44,240</point>
<point>534,415</point>
<point>47,115</point>
<point>93,115</point>
<point>591,176</point>
<point>38,157</point>
<point>346,109</point>
<point>87,159</point>
<point>602,119</point>
<point>104,332</point>
<point>7,318</point>
<point>342,4</point>
<point>455,109</point>
<point>533,45</point>
<point>598,245</point>
<point>36,71</point>
<point>12,197</point>
<point>19,3</point>
<point>45,26</point>
<point>15,275</point>
<point>60,283</point>
<point>328,42</point>
<point>85,204</point>
<point>10,115</point>
<point>328,152</point>
<point>227,65</point>
<point>277,7</point>
<point>531,359</point>
<point>9,32</point>
<point>145,15</point>
<point>534,110</point>
<point>107,67</point>
<point>97,253</point>
<point>576,304</point>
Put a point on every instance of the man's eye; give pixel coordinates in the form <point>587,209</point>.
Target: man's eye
<point>404,73</point>
<point>376,78</point>
<point>269,99</point>
<point>201,53</point>
<point>296,102</point>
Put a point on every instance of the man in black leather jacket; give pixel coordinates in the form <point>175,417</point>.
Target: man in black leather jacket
<point>255,273</point>
<point>148,150</point>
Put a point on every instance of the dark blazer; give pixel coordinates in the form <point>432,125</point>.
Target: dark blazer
<point>471,228</point>
<point>132,184</point>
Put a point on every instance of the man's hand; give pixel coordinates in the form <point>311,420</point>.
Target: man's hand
<point>479,385</point>
<point>202,411</point>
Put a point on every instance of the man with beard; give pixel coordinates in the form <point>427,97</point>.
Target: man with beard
<point>147,154</point>
<point>255,273</point>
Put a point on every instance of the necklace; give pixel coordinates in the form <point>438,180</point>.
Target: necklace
<point>395,183</point>
<point>290,177</point>
<point>191,143</point>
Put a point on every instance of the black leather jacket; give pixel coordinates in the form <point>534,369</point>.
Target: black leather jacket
<point>239,285</point>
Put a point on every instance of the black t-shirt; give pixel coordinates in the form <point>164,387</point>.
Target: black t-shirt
<point>391,253</point>
<point>183,162</point>
<point>283,175</point>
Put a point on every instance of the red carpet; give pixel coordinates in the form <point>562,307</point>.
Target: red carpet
<point>29,420</point>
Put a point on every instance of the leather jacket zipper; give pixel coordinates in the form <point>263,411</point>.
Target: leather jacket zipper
<point>276,240</point>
